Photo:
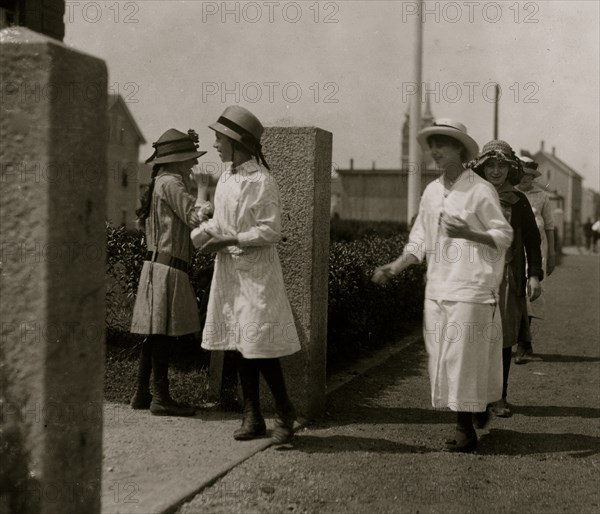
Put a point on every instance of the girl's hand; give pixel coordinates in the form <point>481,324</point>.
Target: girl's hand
<point>217,242</point>
<point>195,219</point>
<point>201,178</point>
<point>456,227</point>
<point>534,288</point>
<point>383,274</point>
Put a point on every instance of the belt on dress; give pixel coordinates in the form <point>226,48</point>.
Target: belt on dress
<point>168,260</point>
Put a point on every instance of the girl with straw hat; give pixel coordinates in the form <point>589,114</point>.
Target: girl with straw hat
<point>165,304</point>
<point>248,309</point>
<point>523,272</point>
<point>462,233</point>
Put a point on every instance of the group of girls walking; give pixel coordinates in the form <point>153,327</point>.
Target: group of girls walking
<point>247,291</point>
<point>479,237</point>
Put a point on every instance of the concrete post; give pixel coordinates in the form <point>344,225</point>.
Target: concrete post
<point>52,225</point>
<point>300,158</point>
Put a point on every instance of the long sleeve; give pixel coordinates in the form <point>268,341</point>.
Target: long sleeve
<point>178,199</point>
<point>416,239</point>
<point>490,215</point>
<point>531,240</point>
<point>260,214</point>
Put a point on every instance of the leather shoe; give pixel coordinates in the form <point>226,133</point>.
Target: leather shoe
<point>283,431</point>
<point>169,407</point>
<point>463,442</point>
<point>253,424</point>
<point>501,409</point>
<point>141,400</point>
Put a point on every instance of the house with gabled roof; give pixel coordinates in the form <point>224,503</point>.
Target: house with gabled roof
<point>124,141</point>
<point>564,186</point>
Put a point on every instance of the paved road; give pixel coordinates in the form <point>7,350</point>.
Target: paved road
<point>378,447</point>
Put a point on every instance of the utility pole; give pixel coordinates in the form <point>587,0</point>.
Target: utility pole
<point>414,150</point>
<point>496,111</point>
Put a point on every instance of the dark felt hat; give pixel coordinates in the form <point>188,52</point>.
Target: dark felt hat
<point>175,146</point>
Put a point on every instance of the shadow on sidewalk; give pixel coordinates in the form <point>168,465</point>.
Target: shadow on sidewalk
<point>556,357</point>
<point>345,443</point>
<point>367,415</point>
<point>542,411</point>
<point>510,442</point>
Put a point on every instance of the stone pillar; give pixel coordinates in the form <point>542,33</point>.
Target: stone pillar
<point>52,305</point>
<point>300,158</point>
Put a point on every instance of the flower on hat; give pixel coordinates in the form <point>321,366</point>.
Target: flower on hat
<point>194,137</point>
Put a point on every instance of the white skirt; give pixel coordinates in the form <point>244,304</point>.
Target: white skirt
<point>464,344</point>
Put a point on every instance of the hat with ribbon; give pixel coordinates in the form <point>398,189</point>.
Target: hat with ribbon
<point>530,167</point>
<point>453,129</point>
<point>242,126</point>
<point>175,146</point>
<point>503,152</point>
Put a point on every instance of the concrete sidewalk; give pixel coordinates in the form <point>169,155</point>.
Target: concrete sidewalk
<point>153,464</point>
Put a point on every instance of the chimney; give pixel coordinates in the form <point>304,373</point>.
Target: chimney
<point>554,151</point>
<point>373,165</point>
<point>542,148</point>
<point>351,164</point>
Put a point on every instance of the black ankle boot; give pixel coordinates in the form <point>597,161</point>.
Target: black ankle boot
<point>283,431</point>
<point>141,399</point>
<point>253,423</point>
<point>163,405</point>
<point>465,441</point>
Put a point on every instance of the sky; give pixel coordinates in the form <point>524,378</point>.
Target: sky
<point>347,67</point>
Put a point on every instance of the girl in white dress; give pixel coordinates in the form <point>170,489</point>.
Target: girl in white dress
<point>248,309</point>
<point>461,232</point>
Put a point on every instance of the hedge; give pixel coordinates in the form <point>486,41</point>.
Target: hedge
<point>360,313</point>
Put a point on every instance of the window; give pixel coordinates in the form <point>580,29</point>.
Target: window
<point>123,217</point>
<point>121,136</point>
<point>124,178</point>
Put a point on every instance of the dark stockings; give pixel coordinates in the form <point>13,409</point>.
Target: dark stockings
<point>250,369</point>
<point>145,364</point>
<point>464,422</point>
<point>160,358</point>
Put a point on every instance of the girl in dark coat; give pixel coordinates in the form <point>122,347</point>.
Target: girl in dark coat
<point>523,271</point>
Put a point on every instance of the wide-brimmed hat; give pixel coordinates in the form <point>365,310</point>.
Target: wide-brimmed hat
<point>530,167</point>
<point>450,128</point>
<point>175,146</point>
<point>240,125</point>
<point>503,152</point>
